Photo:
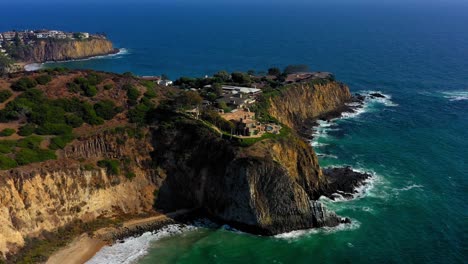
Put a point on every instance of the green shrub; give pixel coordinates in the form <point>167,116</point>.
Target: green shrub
<point>27,130</point>
<point>108,86</point>
<point>90,90</point>
<point>7,163</point>
<point>138,114</point>
<point>132,93</point>
<point>89,115</point>
<point>24,84</point>
<point>89,167</point>
<point>130,175</point>
<point>31,142</point>
<point>7,146</point>
<point>43,79</point>
<point>54,129</point>
<point>27,156</point>
<point>150,93</point>
<point>60,142</point>
<point>5,95</point>
<point>112,166</point>
<point>7,132</point>
<point>73,120</point>
<point>106,109</point>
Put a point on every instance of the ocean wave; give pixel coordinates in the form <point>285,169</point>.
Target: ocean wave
<point>38,66</point>
<point>456,95</point>
<point>294,235</point>
<point>407,188</point>
<point>322,128</point>
<point>330,156</point>
<point>133,248</point>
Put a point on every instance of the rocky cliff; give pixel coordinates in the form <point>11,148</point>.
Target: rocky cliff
<point>34,199</point>
<point>62,50</point>
<point>266,188</point>
<point>301,103</point>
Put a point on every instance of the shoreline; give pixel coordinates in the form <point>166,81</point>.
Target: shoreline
<point>34,66</point>
<point>85,246</point>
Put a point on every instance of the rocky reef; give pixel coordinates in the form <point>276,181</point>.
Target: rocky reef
<point>62,50</point>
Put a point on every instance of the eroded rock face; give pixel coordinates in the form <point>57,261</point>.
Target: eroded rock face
<point>305,102</point>
<point>262,189</point>
<point>53,50</point>
<point>35,201</point>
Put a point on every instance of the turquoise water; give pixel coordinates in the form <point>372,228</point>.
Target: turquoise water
<point>415,143</point>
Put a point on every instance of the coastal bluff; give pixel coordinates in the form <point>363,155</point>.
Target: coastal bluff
<point>64,50</point>
<point>116,170</point>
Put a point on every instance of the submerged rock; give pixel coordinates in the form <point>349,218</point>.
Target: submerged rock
<point>377,95</point>
<point>343,181</point>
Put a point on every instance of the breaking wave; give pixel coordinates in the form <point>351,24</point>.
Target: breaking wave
<point>294,235</point>
<point>456,95</point>
<point>133,248</point>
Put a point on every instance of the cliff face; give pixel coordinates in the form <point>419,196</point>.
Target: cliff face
<point>52,194</point>
<point>304,102</point>
<point>61,50</point>
<point>266,188</point>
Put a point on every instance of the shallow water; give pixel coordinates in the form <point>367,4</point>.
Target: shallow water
<point>415,142</point>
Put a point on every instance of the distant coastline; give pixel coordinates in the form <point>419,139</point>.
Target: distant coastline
<point>29,48</point>
<point>39,65</point>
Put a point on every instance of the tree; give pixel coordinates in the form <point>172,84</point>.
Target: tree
<point>5,63</point>
<point>274,71</point>
<point>189,99</point>
<point>164,77</point>
<point>240,77</point>
<point>222,76</point>
<point>296,68</point>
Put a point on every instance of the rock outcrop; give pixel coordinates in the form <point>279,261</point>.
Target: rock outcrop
<point>62,50</point>
<point>302,103</point>
<point>265,189</point>
<point>43,197</point>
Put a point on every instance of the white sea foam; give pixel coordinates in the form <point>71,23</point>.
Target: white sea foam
<point>293,235</point>
<point>456,95</point>
<point>133,248</point>
<point>33,66</point>
<point>409,187</point>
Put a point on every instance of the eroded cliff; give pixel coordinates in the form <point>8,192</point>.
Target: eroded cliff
<point>62,50</point>
<point>181,163</point>
<point>43,197</point>
<point>301,103</point>
<point>266,188</point>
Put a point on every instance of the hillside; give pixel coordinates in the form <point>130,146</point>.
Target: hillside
<point>81,147</point>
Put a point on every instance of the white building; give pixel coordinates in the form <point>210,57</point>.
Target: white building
<point>244,90</point>
<point>165,82</point>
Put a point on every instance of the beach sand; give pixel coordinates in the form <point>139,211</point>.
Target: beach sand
<point>84,247</point>
<point>80,250</point>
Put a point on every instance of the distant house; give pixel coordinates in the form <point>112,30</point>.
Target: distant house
<point>244,90</point>
<point>61,36</point>
<point>85,35</point>
<point>165,82</point>
<point>9,35</point>
<point>69,35</point>
<point>155,79</point>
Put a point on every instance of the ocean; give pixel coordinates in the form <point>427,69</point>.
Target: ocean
<point>414,142</point>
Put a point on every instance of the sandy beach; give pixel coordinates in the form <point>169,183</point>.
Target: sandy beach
<point>84,247</point>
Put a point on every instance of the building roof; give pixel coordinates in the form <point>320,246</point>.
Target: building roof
<point>246,90</point>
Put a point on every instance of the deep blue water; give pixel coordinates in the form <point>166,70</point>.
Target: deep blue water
<point>416,143</point>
